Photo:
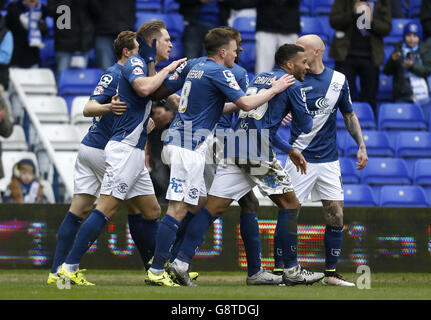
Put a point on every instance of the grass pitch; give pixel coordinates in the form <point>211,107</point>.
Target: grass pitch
<point>129,285</point>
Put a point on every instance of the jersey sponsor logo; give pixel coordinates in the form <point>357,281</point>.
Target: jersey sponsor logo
<point>136,62</point>
<point>322,103</point>
<point>98,91</point>
<point>193,193</point>
<point>174,76</point>
<point>105,80</point>
<point>138,71</point>
<point>335,86</point>
<point>122,187</point>
<point>177,185</point>
<point>231,80</point>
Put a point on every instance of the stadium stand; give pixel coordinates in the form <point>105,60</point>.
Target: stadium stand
<point>49,109</point>
<point>321,7</point>
<point>358,195</point>
<point>149,5</point>
<point>246,26</point>
<point>16,142</point>
<point>377,143</point>
<point>406,196</point>
<point>348,173</point>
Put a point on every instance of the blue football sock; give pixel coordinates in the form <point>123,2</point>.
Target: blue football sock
<point>249,227</point>
<point>333,240</point>
<point>278,251</point>
<point>180,235</point>
<point>143,232</point>
<point>87,234</point>
<point>65,238</point>
<point>287,220</point>
<point>165,238</point>
<point>195,234</point>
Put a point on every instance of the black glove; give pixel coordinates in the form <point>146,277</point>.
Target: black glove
<point>147,52</point>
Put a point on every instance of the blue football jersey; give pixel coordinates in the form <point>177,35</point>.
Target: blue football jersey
<point>261,124</point>
<point>206,88</point>
<point>325,93</point>
<point>131,126</point>
<point>101,130</point>
<point>176,81</point>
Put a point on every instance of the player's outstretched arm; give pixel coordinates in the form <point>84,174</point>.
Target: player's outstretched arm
<point>354,128</point>
<point>95,109</point>
<point>251,102</point>
<point>144,86</point>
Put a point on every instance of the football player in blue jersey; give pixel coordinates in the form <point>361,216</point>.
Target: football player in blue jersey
<point>326,91</point>
<point>126,176</point>
<point>256,165</point>
<point>90,162</point>
<point>208,85</point>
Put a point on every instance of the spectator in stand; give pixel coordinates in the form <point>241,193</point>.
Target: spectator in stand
<point>159,171</point>
<point>6,51</point>
<point>6,124</point>
<point>26,20</point>
<point>117,16</point>
<point>202,15</point>
<point>426,20</point>
<point>74,41</point>
<point>360,51</point>
<point>410,64</point>
<point>24,186</point>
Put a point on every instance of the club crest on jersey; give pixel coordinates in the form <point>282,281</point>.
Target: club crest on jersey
<point>231,80</point>
<point>138,71</point>
<point>136,62</point>
<point>98,91</point>
<point>122,187</point>
<point>336,86</point>
<point>193,193</point>
<point>105,80</point>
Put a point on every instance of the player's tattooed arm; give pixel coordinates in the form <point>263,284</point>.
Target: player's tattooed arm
<point>352,124</point>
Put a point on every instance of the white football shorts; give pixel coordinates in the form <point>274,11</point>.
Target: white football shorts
<point>233,181</point>
<point>125,175</point>
<point>323,181</point>
<point>186,181</point>
<point>89,170</point>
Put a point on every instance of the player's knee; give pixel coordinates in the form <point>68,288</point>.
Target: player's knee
<point>249,206</point>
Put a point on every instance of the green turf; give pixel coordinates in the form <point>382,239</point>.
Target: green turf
<point>118,285</point>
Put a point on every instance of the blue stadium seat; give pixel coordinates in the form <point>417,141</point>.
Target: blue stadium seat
<point>312,25</point>
<point>149,5</point>
<point>358,195</point>
<point>145,16</point>
<point>341,140</point>
<point>396,34</point>
<point>381,171</point>
<point>414,8</point>
<point>403,196</point>
<point>246,26</point>
<point>247,57</point>
<point>384,92</point>
<point>305,7</point>
<point>47,54</point>
<point>422,172</point>
<point>405,116</point>
<point>175,25</point>
<point>377,143</point>
<point>365,114</point>
<point>321,7</point>
<point>413,144</point>
<point>348,172</point>
<point>327,29</point>
<point>327,61</point>
<point>170,6</point>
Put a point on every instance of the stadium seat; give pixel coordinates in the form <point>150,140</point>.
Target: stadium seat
<point>358,195</point>
<point>305,7</point>
<point>405,116</point>
<point>49,109</point>
<point>377,143</point>
<point>327,61</point>
<point>422,172</point>
<point>403,196</point>
<point>384,92</point>
<point>82,129</point>
<point>312,25</point>
<point>414,8</point>
<point>321,7</point>
<point>170,6</point>
<point>149,5</point>
<point>365,114</point>
<point>247,57</point>
<point>396,34</point>
<point>246,26</point>
<point>380,171</point>
<point>35,80</point>
<point>9,159</point>
<point>348,172</point>
<point>327,30</point>
<point>341,139</point>
<point>47,191</point>
<point>76,115</point>
<point>67,160</point>
<point>47,53</point>
<point>413,144</point>
<point>62,136</point>
<point>175,25</point>
<point>145,16</point>
<point>16,141</point>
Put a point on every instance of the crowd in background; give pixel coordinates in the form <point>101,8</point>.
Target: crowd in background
<point>94,25</point>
